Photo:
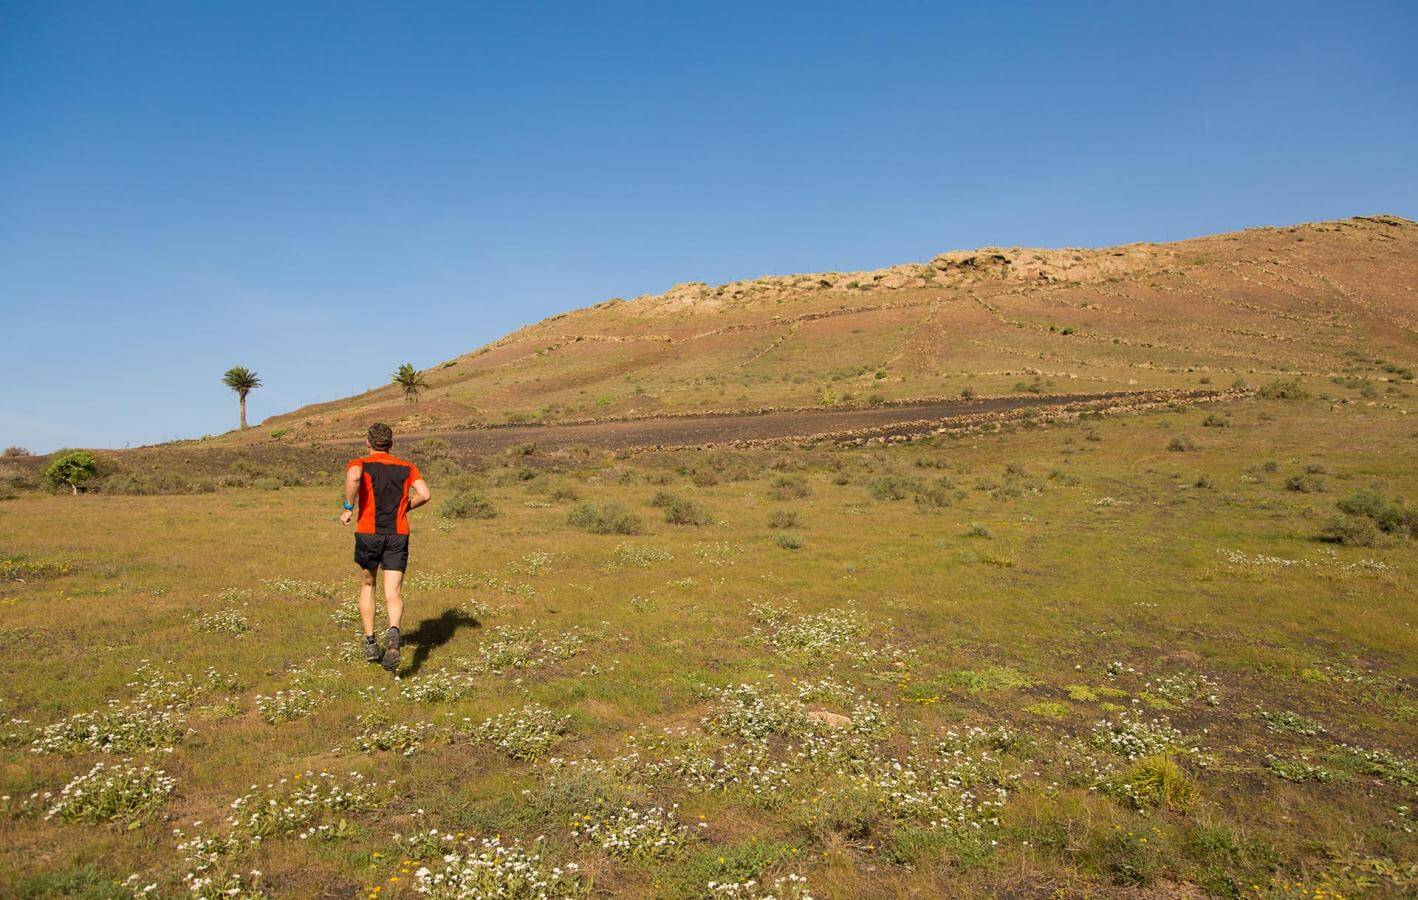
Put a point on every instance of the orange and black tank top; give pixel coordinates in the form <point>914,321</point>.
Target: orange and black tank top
<point>384,493</point>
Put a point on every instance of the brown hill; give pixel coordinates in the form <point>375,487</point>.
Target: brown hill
<point>1326,299</point>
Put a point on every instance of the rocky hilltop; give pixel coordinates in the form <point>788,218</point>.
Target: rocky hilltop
<point>1327,299</point>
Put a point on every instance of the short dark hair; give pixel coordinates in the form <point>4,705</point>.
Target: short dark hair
<point>381,436</point>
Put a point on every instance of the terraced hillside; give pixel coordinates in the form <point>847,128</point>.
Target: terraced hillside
<point>1330,298</point>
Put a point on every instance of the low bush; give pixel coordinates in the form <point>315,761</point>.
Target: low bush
<point>934,495</point>
<point>606,518</point>
<point>893,487</point>
<point>788,541</point>
<point>564,492</point>
<point>1351,530</point>
<point>468,504</point>
<point>1181,444</point>
<point>1285,389</point>
<point>682,511</point>
<point>704,478</point>
<point>783,518</point>
<point>1305,484</point>
<point>1389,515</point>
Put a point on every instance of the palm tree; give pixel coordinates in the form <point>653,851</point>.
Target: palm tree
<point>411,380</point>
<point>243,381</point>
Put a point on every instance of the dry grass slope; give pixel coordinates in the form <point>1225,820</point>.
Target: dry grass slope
<point>1251,305</point>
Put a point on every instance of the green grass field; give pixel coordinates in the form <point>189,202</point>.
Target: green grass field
<point>1048,661</point>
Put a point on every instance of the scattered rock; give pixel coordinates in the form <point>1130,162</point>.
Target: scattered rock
<point>830,719</point>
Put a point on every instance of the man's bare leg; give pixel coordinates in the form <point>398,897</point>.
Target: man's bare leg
<point>366,600</point>
<point>393,581</point>
<point>392,640</point>
<point>366,615</point>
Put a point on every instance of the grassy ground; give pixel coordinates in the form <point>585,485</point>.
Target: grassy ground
<point>926,675</point>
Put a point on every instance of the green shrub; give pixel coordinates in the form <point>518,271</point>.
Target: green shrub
<point>1181,444</point>
<point>1390,515</point>
<point>788,541</point>
<point>514,475</point>
<point>783,518</point>
<point>892,487</point>
<point>1305,484</point>
<point>71,469</point>
<point>1351,530</point>
<point>1285,389</point>
<point>682,511</point>
<point>607,518</point>
<point>468,504</point>
<point>935,495</point>
<point>564,492</point>
<point>977,530</point>
<point>1212,420</point>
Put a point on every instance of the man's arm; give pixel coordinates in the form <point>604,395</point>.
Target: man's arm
<point>418,494</point>
<point>352,476</point>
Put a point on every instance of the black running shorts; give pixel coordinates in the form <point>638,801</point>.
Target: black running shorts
<point>389,552</point>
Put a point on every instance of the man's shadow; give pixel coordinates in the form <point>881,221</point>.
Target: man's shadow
<point>432,633</point>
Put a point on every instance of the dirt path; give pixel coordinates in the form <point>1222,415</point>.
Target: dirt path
<point>690,431</point>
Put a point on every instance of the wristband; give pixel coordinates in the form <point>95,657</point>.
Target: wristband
<point>349,507</point>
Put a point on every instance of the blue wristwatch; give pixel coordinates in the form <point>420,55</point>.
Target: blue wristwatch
<point>349,507</point>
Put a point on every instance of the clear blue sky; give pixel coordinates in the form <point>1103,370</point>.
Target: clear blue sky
<point>321,191</point>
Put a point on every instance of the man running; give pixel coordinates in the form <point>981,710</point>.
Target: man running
<point>387,488</point>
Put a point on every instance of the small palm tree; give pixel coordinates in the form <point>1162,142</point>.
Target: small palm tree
<point>411,380</point>
<point>243,381</point>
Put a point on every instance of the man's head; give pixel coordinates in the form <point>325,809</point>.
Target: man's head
<point>381,436</point>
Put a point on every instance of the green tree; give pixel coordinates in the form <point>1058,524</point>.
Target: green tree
<point>411,380</point>
<point>243,381</point>
<point>72,469</point>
